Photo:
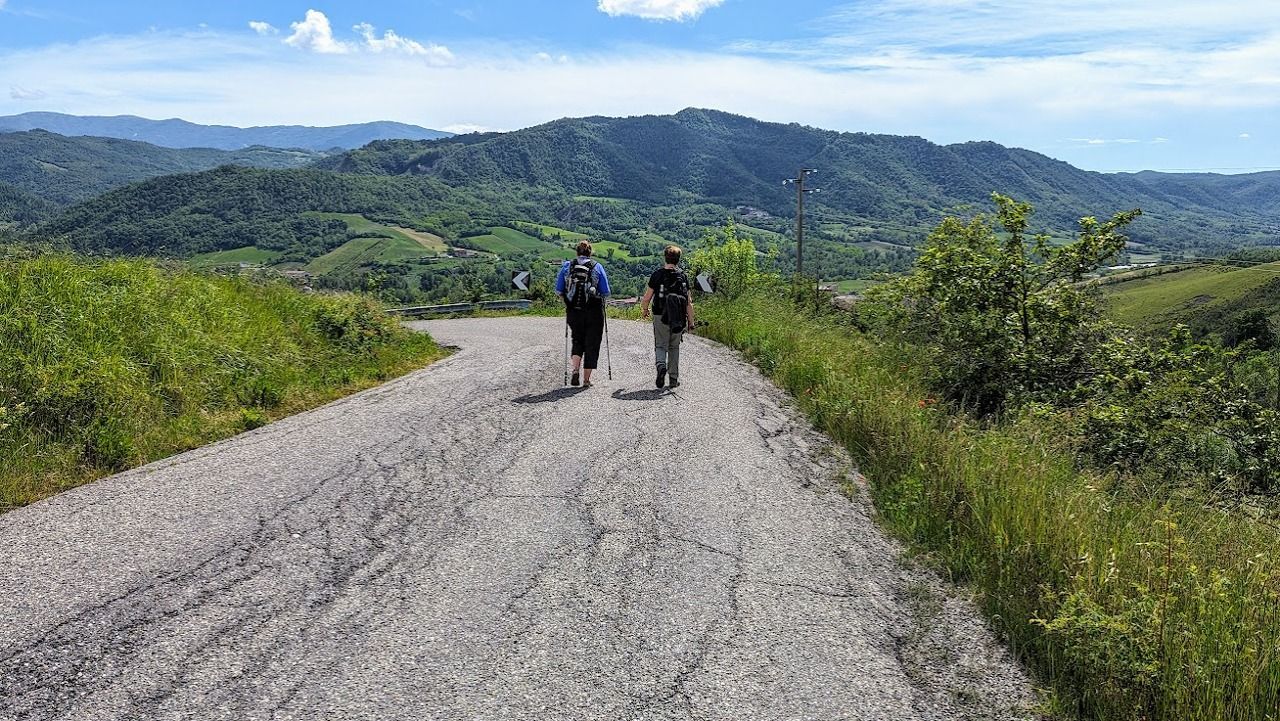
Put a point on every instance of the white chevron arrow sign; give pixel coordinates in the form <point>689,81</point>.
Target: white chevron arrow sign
<point>705,284</point>
<point>520,279</point>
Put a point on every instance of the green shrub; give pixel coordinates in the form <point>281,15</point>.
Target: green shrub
<point>1003,313</point>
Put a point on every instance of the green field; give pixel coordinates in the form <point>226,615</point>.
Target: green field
<point>236,256</point>
<point>568,236</point>
<point>360,252</point>
<point>761,236</point>
<point>362,225</point>
<point>855,286</point>
<point>1188,295</point>
<point>601,250</point>
<point>504,241</point>
<point>392,245</point>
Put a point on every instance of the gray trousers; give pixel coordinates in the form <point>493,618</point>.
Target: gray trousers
<point>666,347</point>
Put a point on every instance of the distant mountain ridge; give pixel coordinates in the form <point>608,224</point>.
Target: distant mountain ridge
<point>175,133</point>
<point>62,170</point>
<point>718,157</point>
<point>665,177</point>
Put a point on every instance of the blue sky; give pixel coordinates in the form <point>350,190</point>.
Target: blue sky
<point>1102,84</point>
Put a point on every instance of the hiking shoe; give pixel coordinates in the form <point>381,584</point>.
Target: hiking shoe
<point>574,380</point>
<point>662,377</point>
<point>675,382</point>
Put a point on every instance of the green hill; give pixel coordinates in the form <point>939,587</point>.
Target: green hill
<point>291,211</point>
<point>729,160</point>
<point>633,184</point>
<point>65,170</point>
<point>1207,298</point>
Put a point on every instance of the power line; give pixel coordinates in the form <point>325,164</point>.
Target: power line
<point>801,191</point>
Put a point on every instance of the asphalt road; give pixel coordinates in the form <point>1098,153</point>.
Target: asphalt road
<point>473,542</point>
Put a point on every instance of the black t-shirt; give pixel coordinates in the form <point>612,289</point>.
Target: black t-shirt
<point>668,278</point>
<point>665,280</point>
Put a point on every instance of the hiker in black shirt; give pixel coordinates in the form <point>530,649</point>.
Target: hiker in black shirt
<point>672,315</point>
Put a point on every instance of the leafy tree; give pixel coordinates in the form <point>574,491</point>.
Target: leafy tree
<point>1005,312</point>
<point>728,258</point>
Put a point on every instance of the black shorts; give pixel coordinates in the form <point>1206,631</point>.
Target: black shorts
<point>587,327</point>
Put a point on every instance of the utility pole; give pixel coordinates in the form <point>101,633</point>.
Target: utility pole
<point>798,181</point>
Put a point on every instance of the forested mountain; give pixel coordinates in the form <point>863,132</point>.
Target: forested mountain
<point>731,160</point>
<point>182,134</point>
<point>66,170</point>
<point>18,207</point>
<point>631,183</point>
<point>1245,194</point>
<point>234,207</point>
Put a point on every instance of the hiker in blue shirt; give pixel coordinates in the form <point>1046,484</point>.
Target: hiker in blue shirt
<point>583,285</point>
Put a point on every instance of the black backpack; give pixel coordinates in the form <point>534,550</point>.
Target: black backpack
<point>582,287</point>
<point>673,299</point>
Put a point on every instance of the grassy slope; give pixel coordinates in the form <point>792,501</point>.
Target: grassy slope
<point>1182,297</point>
<point>360,224</point>
<point>108,365</point>
<point>392,245</point>
<point>568,236</point>
<point>1131,608</point>
<point>247,254</point>
<point>505,241</point>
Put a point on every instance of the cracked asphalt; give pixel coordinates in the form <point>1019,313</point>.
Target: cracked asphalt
<point>473,542</point>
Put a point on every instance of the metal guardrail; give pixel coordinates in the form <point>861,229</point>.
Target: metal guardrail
<point>451,308</point>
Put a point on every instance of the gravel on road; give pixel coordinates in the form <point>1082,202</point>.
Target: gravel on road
<point>473,541</point>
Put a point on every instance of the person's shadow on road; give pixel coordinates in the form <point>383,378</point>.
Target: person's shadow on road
<point>558,394</point>
<point>650,394</point>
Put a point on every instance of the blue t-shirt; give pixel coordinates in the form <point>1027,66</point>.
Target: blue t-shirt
<point>602,280</point>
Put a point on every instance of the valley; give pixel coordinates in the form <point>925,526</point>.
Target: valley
<point>358,218</point>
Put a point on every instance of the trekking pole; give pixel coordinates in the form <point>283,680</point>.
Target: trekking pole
<point>566,351</point>
<point>608,356</point>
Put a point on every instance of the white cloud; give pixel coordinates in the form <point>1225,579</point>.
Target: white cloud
<point>391,42</point>
<point>1244,136</point>
<point>464,128</point>
<point>1157,141</point>
<point>20,93</point>
<point>263,28</point>
<point>2,3</point>
<point>1107,95</point>
<point>314,33</point>
<point>678,10</point>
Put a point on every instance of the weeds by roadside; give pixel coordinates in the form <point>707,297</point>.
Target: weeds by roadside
<point>1129,606</point>
<point>106,365</point>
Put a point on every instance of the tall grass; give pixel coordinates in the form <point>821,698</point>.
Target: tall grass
<point>105,365</point>
<point>1130,607</point>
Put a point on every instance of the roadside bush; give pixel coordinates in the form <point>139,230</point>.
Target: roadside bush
<point>1175,413</point>
<point>729,259</point>
<point>1003,314</point>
